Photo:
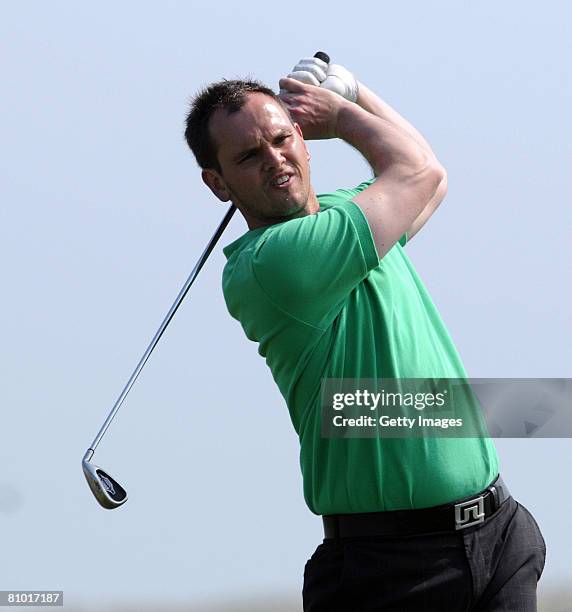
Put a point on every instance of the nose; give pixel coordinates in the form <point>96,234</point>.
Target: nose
<point>273,157</point>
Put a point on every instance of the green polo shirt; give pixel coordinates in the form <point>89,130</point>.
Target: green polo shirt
<point>314,295</point>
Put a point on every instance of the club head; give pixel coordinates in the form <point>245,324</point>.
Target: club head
<point>108,492</point>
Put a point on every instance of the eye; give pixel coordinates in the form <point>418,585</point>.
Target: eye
<point>246,157</point>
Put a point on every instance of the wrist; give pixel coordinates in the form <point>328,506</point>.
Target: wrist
<point>348,117</point>
<point>361,95</point>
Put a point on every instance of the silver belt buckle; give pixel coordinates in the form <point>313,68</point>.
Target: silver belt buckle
<point>469,513</point>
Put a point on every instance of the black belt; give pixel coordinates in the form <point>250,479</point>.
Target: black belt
<point>467,512</point>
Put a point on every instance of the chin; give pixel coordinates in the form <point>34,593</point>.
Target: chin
<point>293,206</point>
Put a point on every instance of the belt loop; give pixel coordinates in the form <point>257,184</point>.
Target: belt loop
<point>495,493</point>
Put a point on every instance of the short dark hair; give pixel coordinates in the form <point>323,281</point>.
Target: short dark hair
<point>229,95</point>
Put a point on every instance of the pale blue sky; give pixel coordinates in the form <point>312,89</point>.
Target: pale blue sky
<point>104,215</point>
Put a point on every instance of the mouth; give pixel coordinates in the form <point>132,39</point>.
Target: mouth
<point>281,181</point>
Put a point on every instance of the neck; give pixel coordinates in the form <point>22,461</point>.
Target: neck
<point>312,207</point>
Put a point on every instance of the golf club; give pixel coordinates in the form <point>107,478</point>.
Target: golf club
<point>108,492</point>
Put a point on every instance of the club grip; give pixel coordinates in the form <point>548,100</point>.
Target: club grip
<point>323,56</point>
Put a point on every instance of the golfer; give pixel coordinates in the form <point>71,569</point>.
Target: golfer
<point>324,285</point>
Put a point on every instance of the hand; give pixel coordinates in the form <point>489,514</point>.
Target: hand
<point>314,109</point>
<point>341,81</point>
<point>310,70</point>
<point>336,78</point>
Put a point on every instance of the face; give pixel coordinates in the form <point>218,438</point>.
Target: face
<point>264,163</point>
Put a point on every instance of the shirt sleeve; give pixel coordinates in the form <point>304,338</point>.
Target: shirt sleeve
<point>309,266</point>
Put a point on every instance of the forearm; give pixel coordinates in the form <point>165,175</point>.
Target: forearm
<point>408,174</point>
<point>372,103</point>
<point>387,146</point>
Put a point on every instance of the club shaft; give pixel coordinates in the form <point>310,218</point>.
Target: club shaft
<point>210,246</point>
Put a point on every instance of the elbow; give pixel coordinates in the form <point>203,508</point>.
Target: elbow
<point>432,170</point>
<point>443,186</point>
<point>438,171</point>
<point>442,172</point>
<point>439,178</point>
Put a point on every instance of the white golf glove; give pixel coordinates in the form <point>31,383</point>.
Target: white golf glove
<point>310,70</point>
<point>341,81</point>
<point>336,78</point>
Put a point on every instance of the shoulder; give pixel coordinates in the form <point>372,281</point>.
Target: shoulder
<point>340,196</point>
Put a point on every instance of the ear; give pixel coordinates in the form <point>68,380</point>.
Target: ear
<point>214,181</point>
<point>299,130</point>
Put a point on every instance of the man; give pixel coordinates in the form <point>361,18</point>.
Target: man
<point>323,284</point>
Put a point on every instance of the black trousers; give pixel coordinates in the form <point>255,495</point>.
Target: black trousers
<point>491,567</point>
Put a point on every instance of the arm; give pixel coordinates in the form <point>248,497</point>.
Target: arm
<point>370,102</point>
<point>409,175</point>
